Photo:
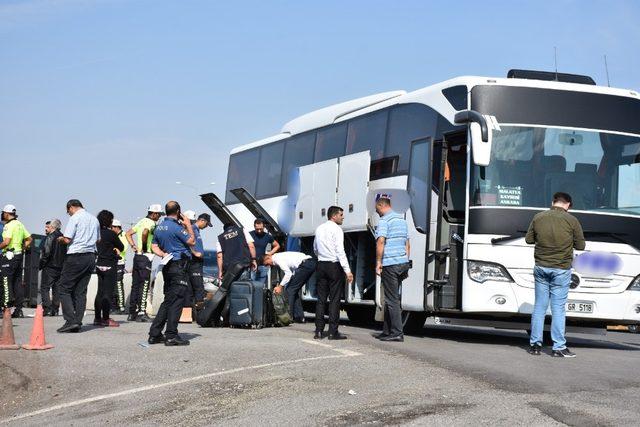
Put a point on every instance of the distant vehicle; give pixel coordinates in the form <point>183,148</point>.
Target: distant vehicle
<point>470,161</point>
<point>210,264</point>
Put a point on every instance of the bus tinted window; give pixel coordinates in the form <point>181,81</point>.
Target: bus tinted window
<point>408,123</point>
<point>298,152</point>
<point>368,133</point>
<point>243,171</point>
<point>270,170</point>
<point>330,142</point>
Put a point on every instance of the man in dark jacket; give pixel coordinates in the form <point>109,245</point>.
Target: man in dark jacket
<point>51,260</point>
<point>556,233</point>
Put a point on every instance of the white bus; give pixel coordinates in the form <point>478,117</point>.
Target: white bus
<point>469,161</point>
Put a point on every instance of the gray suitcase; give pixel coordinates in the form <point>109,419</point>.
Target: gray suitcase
<point>249,304</point>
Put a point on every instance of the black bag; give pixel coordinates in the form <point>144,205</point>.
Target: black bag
<point>281,316</point>
<point>214,304</point>
<point>249,304</point>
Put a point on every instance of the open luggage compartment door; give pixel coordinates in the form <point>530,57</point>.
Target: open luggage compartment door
<point>258,211</point>
<point>219,209</point>
<point>353,187</point>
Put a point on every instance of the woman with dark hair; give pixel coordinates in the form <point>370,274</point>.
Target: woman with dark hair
<point>109,247</point>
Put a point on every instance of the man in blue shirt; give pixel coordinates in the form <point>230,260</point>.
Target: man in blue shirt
<point>392,262</point>
<point>81,235</point>
<point>173,239</point>
<point>262,239</point>
<point>196,266</point>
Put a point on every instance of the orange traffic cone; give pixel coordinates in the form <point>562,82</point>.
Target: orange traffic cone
<point>7,340</point>
<point>37,341</point>
<point>187,315</point>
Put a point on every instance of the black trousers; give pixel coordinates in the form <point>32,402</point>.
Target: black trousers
<point>297,281</point>
<point>140,282</point>
<point>76,272</point>
<point>391,284</point>
<point>50,284</point>
<point>176,287</point>
<point>330,279</point>
<point>107,278</point>
<point>118,299</point>
<point>196,281</point>
<point>12,286</point>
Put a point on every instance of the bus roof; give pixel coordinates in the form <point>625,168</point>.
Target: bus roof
<point>430,95</point>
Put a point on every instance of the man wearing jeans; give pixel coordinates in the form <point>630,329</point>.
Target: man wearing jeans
<point>392,263</point>
<point>556,234</point>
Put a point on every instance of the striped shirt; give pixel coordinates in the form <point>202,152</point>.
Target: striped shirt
<point>393,228</point>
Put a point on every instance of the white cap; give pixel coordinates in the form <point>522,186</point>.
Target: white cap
<point>190,214</point>
<point>116,223</point>
<point>155,209</point>
<point>9,209</point>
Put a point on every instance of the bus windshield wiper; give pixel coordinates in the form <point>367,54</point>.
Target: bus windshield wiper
<point>614,236</point>
<point>498,240</point>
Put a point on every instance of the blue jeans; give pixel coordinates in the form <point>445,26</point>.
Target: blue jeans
<point>260,275</point>
<point>551,284</point>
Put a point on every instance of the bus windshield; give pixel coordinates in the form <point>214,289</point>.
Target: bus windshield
<point>601,171</point>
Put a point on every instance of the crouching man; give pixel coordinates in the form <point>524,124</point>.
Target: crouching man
<point>297,268</point>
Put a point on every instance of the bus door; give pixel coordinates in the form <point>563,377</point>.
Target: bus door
<point>219,209</point>
<point>447,248</point>
<point>258,211</point>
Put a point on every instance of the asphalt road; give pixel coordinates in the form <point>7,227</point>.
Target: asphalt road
<point>280,376</point>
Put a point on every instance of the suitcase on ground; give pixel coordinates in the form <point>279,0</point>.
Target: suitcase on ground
<point>249,304</point>
<point>209,314</point>
<point>214,304</point>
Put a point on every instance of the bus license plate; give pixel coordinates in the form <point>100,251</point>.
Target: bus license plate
<point>579,307</point>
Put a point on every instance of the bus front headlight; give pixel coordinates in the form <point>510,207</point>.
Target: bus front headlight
<point>481,271</point>
<point>635,284</point>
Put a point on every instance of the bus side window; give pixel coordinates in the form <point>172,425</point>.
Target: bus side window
<point>243,172</point>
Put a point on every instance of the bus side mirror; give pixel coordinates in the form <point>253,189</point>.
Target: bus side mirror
<point>479,135</point>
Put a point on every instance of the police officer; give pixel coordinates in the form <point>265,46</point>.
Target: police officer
<point>15,241</point>
<point>196,265</point>
<point>235,252</point>
<point>173,237</point>
<point>118,295</point>
<point>141,274</point>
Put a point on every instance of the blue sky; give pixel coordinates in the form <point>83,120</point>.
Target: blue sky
<point>112,101</point>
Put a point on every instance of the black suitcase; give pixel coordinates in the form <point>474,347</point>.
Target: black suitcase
<point>249,304</point>
<point>214,305</point>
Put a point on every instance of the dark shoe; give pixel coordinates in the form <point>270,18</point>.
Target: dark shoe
<point>337,336</point>
<point>535,350</point>
<point>156,340</point>
<point>392,338</point>
<point>17,313</point>
<point>143,318</point>
<point>176,341</point>
<point>565,352</point>
<point>122,311</point>
<point>69,327</point>
<point>318,336</point>
<point>132,317</point>
<point>379,336</point>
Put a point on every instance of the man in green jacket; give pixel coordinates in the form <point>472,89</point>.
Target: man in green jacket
<point>556,233</point>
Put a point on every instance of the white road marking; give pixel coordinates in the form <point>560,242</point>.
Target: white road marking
<point>342,354</point>
<point>349,353</point>
<point>315,342</point>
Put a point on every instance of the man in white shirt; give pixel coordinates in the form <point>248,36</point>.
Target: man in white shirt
<point>297,268</point>
<point>331,271</point>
